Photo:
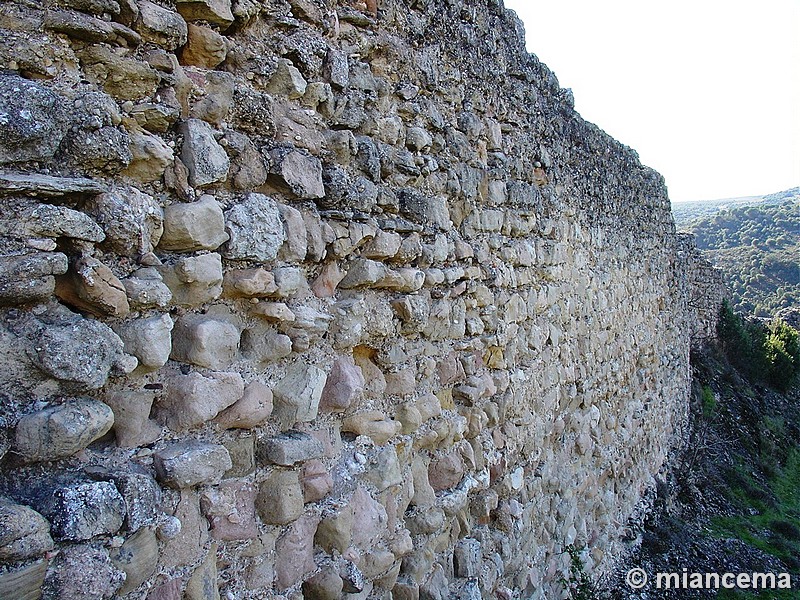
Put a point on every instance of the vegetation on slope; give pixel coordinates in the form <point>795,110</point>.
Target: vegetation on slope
<point>758,249</point>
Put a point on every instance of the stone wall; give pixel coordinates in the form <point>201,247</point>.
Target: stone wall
<point>315,299</point>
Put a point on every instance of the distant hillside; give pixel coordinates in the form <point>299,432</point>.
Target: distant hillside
<point>756,243</point>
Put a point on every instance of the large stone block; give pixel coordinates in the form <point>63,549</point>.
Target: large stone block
<point>191,400</point>
<point>205,159</point>
<point>24,533</point>
<point>204,341</point>
<point>186,464</point>
<point>255,229</point>
<point>61,430</point>
<point>280,498</point>
<point>33,120</point>
<point>82,510</point>
<point>298,393</point>
<point>194,226</point>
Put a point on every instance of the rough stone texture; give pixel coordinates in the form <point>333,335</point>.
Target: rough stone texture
<point>255,229</point>
<point>195,279</point>
<point>33,120</point>
<point>82,510</point>
<point>186,464</point>
<point>465,313</point>
<point>61,430</point>
<point>205,159</point>
<point>25,533</point>
<point>149,340</point>
<point>91,286</point>
<point>251,410</point>
<point>82,572</point>
<point>137,558</point>
<point>193,399</point>
<point>132,424</point>
<point>298,393</point>
<point>131,220</point>
<point>205,341</point>
<point>280,498</point>
<point>30,277</point>
<point>194,226</point>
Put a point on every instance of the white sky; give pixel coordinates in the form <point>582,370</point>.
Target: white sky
<point>706,91</point>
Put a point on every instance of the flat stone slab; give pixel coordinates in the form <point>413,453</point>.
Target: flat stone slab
<point>35,184</point>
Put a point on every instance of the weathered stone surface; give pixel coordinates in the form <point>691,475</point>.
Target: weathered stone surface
<point>295,247</point>
<point>146,289</point>
<point>255,229</point>
<point>186,464</point>
<point>202,585</point>
<point>230,509</point>
<point>46,220</point>
<point>194,226</point>
<point>82,572</point>
<point>373,424</point>
<point>249,283</point>
<point>24,533</point>
<point>263,345</point>
<point>295,552</point>
<point>204,341</point>
<point>30,277</point>
<point>446,471</point>
<point>344,385</point>
<point>33,121</point>
<point>287,81</point>
<point>131,220</point>
<point>194,280</point>
<point>142,499</point>
<point>280,498</point>
<point>47,186</point>
<point>216,91</point>
<point>137,558</point>
<point>149,340</point>
<point>103,151</point>
<point>325,585</point>
<point>61,430</point>
<point>185,546</point>
<point>431,210</point>
<point>300,172</point>
<point>204,47</point>
<point>91,286</point>
<point>251,410</point>
<point>82,510</point>
<point>24,583</point>
<point>335,531</point>
<point>76,351</point>
<point>161,26</point>
<point>216,12</point>
<point>298,393</point>
<point>316,480</point>
<point>150,157</point>
<point>248,170</point>
<point>193,399</point>
<point>122,78</point>
<point>206,160</point>
<point>289,448</point>
<point>243,455</point>
<point>132,424</point>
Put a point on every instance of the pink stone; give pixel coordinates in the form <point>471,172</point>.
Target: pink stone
<point>344,384</point>
<point>446,472</point>
<point>324,285</point>
<point>401,383</point>
<point>250,410</point>
<point>449,369</point>
<point>370,519</point>
<point>171,590</point>
<point>294,552</point>
<point>231,510</point>
<point>316,481</point>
